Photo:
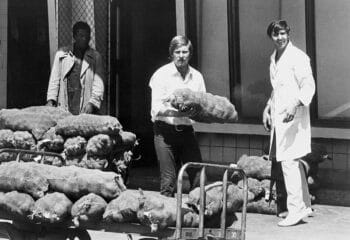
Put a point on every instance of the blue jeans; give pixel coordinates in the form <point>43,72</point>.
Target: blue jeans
<point>174,147</point>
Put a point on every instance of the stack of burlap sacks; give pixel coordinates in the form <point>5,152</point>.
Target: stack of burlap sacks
<point>88,141</point>
<point>40,193</point>
<point>265,180</point>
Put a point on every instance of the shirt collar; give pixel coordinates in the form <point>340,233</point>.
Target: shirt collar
<point>88,52</point>
<point>174,70</point>
<point>288,47</point>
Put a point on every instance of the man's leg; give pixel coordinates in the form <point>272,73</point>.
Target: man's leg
<point>277,175</point>
<point>297,209</point>
<point>167,166</point>
<point>189,152</point>
<point>305,187</point>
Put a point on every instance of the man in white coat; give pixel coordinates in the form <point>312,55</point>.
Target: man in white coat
<point>287,116</point>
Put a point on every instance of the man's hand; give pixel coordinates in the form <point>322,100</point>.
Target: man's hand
<point>267,118</point>
<point>89,108</point>
<point>289,113</point>
<point>51,103</point>
<point>193,111</point>
<point>189,111</point>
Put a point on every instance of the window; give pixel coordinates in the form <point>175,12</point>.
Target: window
<point>332,34</point>
<point>207,28</point>
<point>233,52</point>
<point>250,59</point>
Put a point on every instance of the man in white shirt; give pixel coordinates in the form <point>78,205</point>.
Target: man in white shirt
<point>174,138</point>
<point>287,116</point>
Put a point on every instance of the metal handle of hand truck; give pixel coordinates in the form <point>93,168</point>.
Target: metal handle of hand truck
<point>202,198</point>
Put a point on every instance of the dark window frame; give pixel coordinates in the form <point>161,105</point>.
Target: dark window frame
<point>234,51</point>
<point>191,28</point>
<point>235,59</point>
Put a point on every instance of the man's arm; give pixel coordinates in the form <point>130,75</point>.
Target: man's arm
<point>54,81</point>
<point>267,114</point>
<point>98,83</point>
<point>306,83</point>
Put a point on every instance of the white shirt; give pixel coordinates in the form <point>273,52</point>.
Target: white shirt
<point>291,78</point>
<point>164,82</point>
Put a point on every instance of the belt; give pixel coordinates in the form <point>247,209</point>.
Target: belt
<point>169,127</point>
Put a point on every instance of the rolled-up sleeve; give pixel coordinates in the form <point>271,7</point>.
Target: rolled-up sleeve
<point>202,84</point>
<point>305,80</point>
<point>98,82</point>
<point>159,94</point>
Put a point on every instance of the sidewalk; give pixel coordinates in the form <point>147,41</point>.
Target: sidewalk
<point>329,222</point>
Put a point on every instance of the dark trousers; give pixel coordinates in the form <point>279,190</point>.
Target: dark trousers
<point>174,147</point>
<point>277,177</point>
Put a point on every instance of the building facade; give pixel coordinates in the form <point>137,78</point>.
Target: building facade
<point>231,50</point>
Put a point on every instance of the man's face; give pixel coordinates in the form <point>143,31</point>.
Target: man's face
<point>181,56</point>
<point>280,39</point>
<point>82,39</point>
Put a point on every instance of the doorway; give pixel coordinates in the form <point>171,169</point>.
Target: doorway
<point>28,53</point>
<point>142,31</point>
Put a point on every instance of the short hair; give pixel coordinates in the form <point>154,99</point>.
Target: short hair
<point>81,26</point>
<point>179,41</point>
<point>276,26</point>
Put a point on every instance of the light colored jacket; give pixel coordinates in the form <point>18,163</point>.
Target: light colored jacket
<point>292,80</point>
<point>91,78</point>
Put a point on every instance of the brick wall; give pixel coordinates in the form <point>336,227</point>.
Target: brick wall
<point>227,148</point>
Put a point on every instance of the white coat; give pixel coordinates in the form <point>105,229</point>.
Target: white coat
<point>91,78</point>
<point>292,80</point>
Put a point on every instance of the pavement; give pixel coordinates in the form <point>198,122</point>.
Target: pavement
<point>328,222</point>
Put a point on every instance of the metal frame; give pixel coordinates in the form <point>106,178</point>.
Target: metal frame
<point>201,232</point>
<point>36,153</point>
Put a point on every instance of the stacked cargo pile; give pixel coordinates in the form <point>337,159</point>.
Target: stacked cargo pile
<point>88,141</point>
<point>263,182</point>
<point>72,189</point>
<point>159,212</point>
<point>39,193</point>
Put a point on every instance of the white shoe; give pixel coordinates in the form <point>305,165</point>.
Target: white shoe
<point>293,219</point>
<point>309,211</point>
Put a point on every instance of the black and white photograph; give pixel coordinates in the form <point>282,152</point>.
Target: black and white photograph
<point>174,119</point>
